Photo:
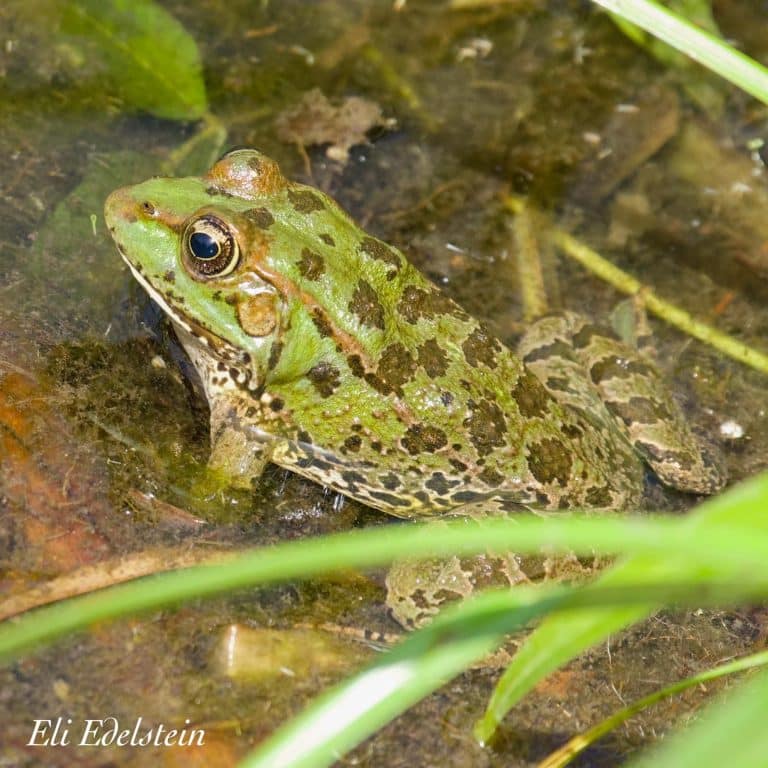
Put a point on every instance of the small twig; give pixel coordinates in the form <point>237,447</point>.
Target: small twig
<point>109,572</point>
<point>672,314</point>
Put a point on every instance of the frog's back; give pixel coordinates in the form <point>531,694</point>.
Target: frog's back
<point>412,403</point>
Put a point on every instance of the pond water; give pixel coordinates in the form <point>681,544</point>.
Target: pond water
<point>104,433</point>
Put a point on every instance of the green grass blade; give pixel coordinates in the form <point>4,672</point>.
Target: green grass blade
<point>733,538</point>
<point>560,638</point>
<point>731,733</point>
<point>696,43</point>
<point>738,547</point>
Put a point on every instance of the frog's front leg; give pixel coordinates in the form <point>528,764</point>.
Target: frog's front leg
<point>239,450</point>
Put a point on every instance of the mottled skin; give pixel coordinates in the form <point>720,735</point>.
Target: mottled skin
<point>323,350</point>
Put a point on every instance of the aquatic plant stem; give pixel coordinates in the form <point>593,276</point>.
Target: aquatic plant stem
<point>662,308</point>
<point>580,742</point>
<point>529,270</point>
<point>699,45</point>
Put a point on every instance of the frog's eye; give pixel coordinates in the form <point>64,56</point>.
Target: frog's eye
<point>209,247</point>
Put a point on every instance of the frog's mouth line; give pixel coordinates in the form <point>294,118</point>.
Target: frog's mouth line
<point>217,345</point>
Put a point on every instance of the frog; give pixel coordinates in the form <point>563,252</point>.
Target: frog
<point>325,351</point>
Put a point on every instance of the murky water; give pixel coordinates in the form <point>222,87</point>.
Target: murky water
<point>659,168</point>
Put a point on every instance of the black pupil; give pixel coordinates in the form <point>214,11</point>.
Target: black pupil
<point>203,246</point>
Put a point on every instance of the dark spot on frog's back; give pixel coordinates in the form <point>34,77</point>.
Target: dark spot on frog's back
<point>327,239</point>
<point>353,478</point>
<point>311,264</point>
<point>491,477</point>
<point>304,437</point>
<point>366,305</point>
<point>305,201</point>
<point>356,366</point>
<point>558,384</point>
<point>416,303</point>
<point>353,443</point>
<point>572,432</point>
<point>549,461</point>
<point>260,217</point>
<point>531,397</point>
<point>389,499</point>
<point>481,347</point>
<point>396,367</point>
<point>599,497</point>
<point>467,497</point>
<point>547,351</point>
<point>381,251</point>
<point>438,484</point>
<point>390,481</point>
<point>324,378</point>
<point>432,359</point>
<point>487,426</point>
<point>423,438</point>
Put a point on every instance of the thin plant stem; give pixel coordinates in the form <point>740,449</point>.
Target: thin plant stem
<point>666,310</point>
<point>579,743</point>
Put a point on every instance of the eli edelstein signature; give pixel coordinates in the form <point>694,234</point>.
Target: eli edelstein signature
<point>109,731</point>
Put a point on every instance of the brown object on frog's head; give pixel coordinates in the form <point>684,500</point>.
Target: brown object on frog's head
<point>246,173</point>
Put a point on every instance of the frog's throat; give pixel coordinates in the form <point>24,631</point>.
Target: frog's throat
<point>217,346</point>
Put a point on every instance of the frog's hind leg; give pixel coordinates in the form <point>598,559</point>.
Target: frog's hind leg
<point>418,589</point>
<point>632,390</point>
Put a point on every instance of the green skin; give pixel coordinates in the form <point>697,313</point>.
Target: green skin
<point>323,350</point>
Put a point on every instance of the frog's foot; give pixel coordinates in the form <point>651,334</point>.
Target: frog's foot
<point>632,392</point>
<point>417,590</point>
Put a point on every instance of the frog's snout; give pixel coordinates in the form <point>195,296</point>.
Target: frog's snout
<point>119,207</point>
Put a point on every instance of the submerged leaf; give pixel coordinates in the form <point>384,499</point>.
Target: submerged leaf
<point>150,59</point>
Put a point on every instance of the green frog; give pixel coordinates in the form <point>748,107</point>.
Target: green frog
<point>323,350</point>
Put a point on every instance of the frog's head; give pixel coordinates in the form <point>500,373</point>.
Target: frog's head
<point>265,278</point>
<point>198,246</point>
